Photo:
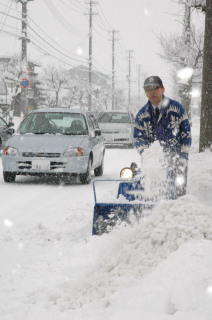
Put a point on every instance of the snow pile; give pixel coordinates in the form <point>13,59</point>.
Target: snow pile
<point>200,176</point>
<point>180,288</point>
<point>92,274</point>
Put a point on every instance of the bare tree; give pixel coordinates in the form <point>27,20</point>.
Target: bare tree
<point>175,51</point>
<point>56,79</point>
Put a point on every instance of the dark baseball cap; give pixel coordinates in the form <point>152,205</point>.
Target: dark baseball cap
<point>153,81</point>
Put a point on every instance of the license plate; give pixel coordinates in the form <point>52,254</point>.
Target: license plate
<point>41,165</point>
<point>109,139</point>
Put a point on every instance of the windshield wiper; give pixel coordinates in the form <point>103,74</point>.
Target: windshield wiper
<point>71,134</point>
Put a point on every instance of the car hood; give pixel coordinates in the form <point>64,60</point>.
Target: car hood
<point>114,126</point>
<point>45,143</point>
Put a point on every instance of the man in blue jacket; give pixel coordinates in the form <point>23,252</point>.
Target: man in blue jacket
<point>165,120</point>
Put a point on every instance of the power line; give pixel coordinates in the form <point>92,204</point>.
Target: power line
<point>90,53</point>
<point>46,42</point>
<point>61,19</point>
<point>6,15</point>
<point>9,15</point>
<point>70,52</point>
<point>80,9</point>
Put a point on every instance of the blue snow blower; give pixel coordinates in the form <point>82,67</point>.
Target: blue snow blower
<point>126,202</point>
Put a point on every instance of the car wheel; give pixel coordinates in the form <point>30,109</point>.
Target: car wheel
<point>99,170</point>
<point>9,176</point>
<point>85,178</point>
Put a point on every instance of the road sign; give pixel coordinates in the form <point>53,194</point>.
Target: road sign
<point>24,83</point>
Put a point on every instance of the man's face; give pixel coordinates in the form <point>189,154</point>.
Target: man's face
<point>154,94</point>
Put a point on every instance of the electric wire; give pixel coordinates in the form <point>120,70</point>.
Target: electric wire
<point>77,4</point>
<point>45,45</point>
<point>8,10</point>
<point>50,38</point>
<point>68,6</point>
<point>62,20</point>
<point>97,23</point>
<point>46,42</point>
<point>15,40</point>
<point>41,50</point>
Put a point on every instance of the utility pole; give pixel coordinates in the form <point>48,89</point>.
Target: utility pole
<point>90,57</point>
<point>206,103</point>
<point>113,67</point>
<point>139,84</point>
<point>24,41</point>
<point>185,86</point>
<point>129,78</point>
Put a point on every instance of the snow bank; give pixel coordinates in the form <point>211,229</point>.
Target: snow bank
<point>98,273</point>
<point>179,288</point>
<point>200,176</point>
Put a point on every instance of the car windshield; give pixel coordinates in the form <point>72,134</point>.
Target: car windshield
<point>114,117</point>
<point>53,123</point>
<point>2,123</point>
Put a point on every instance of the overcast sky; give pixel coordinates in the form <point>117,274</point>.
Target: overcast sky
<point>60,28</point>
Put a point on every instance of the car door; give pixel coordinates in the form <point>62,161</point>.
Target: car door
<point>4,135</point>
<point>97,141</point>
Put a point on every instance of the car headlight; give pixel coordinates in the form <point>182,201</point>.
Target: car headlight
<point>126,173</point>
<point>73,152</point>
<point>10,151</point>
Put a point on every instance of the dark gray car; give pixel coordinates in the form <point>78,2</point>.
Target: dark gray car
<point>5,132</point>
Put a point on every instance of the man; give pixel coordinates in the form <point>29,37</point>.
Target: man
<point>165,120</point>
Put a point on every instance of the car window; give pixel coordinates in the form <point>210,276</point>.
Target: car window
<point>54,122</point>
<point>90,123</point>
<point>2,123</point>
<point>114,117</point>
<point>95,123</point>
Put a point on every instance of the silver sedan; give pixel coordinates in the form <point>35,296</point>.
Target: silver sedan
<point>58,142</point>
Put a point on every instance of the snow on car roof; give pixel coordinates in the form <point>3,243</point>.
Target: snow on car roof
<point>60,110</point>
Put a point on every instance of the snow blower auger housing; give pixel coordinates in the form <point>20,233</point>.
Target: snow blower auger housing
<point>125,203</point>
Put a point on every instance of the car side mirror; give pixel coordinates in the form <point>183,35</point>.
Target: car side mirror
<point>10,131</point>
<point>98,132</point>
<point>10,124</point>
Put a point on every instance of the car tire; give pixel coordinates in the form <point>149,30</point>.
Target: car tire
<point>9,176</point>
<point>99,170</point>
<point>85,178</point>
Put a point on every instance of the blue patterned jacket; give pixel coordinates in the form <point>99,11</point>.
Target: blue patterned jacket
<point>172,128</point>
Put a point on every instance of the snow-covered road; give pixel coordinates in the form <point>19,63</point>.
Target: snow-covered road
<point>33,201</point>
